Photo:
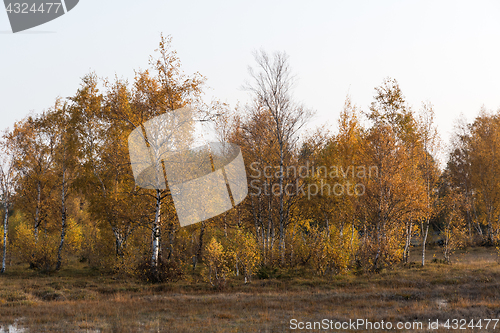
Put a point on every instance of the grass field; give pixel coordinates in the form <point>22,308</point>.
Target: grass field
<point>77,299</point>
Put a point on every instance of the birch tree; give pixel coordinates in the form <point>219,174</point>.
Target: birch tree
<point>430,141</point>
<point>7,190</point>
<point>459,171</point>
<point>271,87</point>
<point>66,155</point>
<point>396,194</point>
<point>33,142</point>
<point>484,148</point>
<point>106,179</point>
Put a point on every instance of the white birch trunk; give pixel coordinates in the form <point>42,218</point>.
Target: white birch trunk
<point>5,230</point>
<point>63,219</point>
<point>424,241</point>
<point>155,235</point>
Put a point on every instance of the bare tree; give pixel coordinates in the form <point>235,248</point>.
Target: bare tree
<point>431,146</point>
<point>272,84</point>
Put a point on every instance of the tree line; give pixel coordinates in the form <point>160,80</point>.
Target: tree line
<point>359,198</point>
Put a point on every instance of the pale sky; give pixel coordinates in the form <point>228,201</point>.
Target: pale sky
<point>445,52</point>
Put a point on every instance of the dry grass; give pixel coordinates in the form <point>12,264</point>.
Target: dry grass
<point>77,299</point>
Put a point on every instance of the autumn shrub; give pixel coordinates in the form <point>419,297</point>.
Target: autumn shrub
<point>376,253</point>
<point>97,247</point>
<point>74,237</point>
<point>454,237</point>
<point>325,250</point>
<point>321,250</point>
<point>298,250</point>
<point>267,272</point>
<point>135,260</point>
<point>40,252</point>
<point>343,243</point>
<point>244,253</point>
<point>179,246</point>
<point>216,270</point>
<point>165,271</point>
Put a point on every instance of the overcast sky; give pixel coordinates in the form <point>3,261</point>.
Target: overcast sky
<point>445,52</point>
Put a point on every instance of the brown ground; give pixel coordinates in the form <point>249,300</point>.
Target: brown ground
<point>77,299</point>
